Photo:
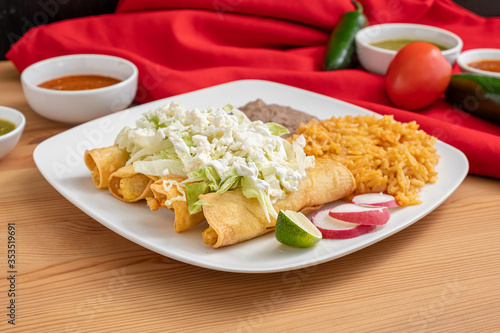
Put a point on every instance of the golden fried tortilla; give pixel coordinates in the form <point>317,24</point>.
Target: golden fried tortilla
<point>130,186</point>
<point>183,219</point>
<point>102,162</point>
<point>233,218</point>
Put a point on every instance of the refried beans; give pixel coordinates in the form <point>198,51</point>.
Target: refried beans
<point>284,115</point>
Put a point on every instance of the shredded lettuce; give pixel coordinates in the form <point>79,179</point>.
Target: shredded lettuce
<point>123,141</point>
<point>240,115</point>
<point>269,175</point>
<point>167,186</point>
<point>229,183</point>
<point>251,191</point>
<point>209,174</point>
<point>303,161</point>
<point>277,129</point>
<point>193,191</point>
<point>160,167</point>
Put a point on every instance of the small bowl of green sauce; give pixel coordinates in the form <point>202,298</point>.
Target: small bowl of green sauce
<point>12,124</point>
<point>377,45</point>
<point>397,44</point>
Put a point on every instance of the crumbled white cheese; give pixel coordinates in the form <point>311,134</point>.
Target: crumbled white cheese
<point>228,142</point>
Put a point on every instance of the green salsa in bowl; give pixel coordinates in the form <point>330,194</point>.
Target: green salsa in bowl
<point>376,45</point>
<point>398,44</point>
<point>6,126</point>
<point>12,124</point>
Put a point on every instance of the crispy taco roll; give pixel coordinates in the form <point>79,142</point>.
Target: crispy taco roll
<point>232,218</point>
<point>102,162</point>
<point>163,193</point>
<point>130,186</point>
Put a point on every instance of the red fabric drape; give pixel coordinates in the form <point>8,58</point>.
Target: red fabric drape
<point>181,46</point>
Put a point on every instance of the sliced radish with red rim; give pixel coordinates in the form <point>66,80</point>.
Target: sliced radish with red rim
<point>332,228</point>
<point>361,214</point>
<point>375,199</point>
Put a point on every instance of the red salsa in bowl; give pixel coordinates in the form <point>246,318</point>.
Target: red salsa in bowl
<point>486,65</point>
<point>79,82</point>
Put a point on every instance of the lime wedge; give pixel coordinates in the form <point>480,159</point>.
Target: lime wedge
<point>295,229</point>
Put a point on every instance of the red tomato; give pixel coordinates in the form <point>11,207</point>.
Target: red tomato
<point>417,76</point>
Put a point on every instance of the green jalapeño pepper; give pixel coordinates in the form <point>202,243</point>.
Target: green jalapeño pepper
<point>476,94</point>
<point>341,47</point>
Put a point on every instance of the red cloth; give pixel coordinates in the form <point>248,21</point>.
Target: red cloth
<point>181,46</point>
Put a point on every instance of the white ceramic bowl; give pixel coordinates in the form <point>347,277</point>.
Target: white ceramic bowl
<point>9,140</point>
<point>469,56</point>
<point>376,60</point>
<point>79,106</point>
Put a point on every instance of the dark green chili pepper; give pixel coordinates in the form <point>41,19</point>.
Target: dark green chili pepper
<point>341,47</point>
<point>475,94</point>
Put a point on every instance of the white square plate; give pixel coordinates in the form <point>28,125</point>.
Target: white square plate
<point>60,160</point>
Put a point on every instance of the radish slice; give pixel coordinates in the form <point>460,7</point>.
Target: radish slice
<point>335,229</point>
<point>361,214</point>
<point>375,199</point>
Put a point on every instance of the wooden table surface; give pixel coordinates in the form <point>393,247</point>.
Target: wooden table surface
<point>75,275</point>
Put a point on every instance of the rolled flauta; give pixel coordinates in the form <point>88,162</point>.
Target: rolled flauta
<point>163,193</point>
<point>130,186</point>
<point>102,162</point>
<point>233,218</point>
